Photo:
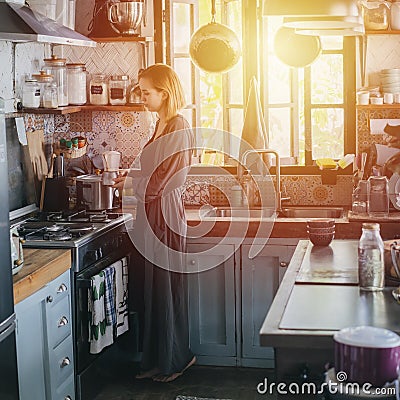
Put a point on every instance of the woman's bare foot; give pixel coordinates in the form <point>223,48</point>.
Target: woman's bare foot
<point>148,374</point>
<point>172,377</point>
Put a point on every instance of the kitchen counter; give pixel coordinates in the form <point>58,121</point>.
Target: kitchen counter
<point>41,266</point>
<point>318,296</point>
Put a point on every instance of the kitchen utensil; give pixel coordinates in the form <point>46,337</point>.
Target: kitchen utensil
<point>108,177</point>
<point>125,16</point>
<point>17,255</point>
<point>111,160</point>
<point>362,165</point>
<point>36,152</point>
<point>58,168</point>
<point>367,354</point>
<point>56,194</point>
<point>296,50</point>
<point>92,194</point>
<point>394,190</point>
<point>214,47</point>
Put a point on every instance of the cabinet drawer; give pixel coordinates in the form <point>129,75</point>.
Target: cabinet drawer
<point>59,288</point>
<point>66,391</point>
<point>61,362</point>
<point>58,322</point>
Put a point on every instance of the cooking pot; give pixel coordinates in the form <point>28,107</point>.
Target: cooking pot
<point>91,194</point>
<point>125,16</point>
<point>367,354</point>
<point>214,47</point>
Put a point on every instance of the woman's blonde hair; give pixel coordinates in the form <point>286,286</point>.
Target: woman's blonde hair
<point>164,78</point>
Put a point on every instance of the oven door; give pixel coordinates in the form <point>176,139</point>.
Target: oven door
<point>83,356</point>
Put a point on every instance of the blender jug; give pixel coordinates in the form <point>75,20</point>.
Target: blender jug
<point>111,160</point>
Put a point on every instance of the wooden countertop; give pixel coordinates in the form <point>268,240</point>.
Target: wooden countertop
<point>41,266</point>
<point>306,313</point>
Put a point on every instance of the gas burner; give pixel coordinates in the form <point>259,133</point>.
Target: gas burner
<point>58,236</point>
<point>80,228</point>
<point>54,228</point>
<point>99,218</point>
<point>56,216</point>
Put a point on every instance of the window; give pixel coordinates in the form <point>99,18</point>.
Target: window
<point>309,112</point>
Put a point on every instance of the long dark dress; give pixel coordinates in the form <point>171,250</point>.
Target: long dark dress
<point>160,236</point>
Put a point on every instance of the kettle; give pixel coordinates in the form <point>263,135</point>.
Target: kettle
<point>111,160</point>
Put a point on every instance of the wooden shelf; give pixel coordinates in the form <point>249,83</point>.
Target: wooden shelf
<point>122,39</point>
<point>378,106</point>
<point>383,32</point>
<point>128,107</point>
<point>57,111</point>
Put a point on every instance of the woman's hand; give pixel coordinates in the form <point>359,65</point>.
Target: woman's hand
<point>119,183</point>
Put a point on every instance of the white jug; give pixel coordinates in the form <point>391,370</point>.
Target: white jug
<point>111,160</point>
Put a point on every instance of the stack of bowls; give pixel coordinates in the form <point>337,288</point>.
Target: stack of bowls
<point>321,231</point>
<point>390,80</point>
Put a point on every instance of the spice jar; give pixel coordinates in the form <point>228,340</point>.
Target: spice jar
<point>376,14</point>
<point>50,95</point>
<point>57,67</point>
<point>76,74</point>
<point>42,79</point>
<point>117,89</point>
<point>98,90</point>
<point>31,93</point>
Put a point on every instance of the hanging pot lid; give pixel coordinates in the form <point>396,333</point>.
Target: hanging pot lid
<point>214,47</point>
<point>296,50</point>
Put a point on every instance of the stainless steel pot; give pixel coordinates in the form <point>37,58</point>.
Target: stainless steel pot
<point>125,16</point>
<point>92,194</point>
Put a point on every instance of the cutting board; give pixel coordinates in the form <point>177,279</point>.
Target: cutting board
<point>36,153</point>
<point>333,264</point>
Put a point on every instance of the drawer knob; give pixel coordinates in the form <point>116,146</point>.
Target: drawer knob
<point>49,299</point>
<point>193,262</point>
<point>283,264</point>
<point>67,398</point>
<point>62,288</point>
<point>63,321</point>
<point>65,362</point>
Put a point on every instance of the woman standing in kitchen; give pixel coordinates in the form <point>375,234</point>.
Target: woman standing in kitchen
<point>160,227</point>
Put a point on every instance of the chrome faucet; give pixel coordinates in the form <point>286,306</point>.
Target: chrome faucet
<point>241,173</point>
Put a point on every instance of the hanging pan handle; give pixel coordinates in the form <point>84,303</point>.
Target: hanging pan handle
<point>213,11</point>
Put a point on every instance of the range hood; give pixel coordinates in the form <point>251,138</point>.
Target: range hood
<point>19,23</point>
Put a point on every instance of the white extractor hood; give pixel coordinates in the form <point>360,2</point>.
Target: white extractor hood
<point>19,23</point>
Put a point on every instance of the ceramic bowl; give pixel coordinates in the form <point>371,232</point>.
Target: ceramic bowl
<point>321,223</point>
<point>321,239</point>
<point>321,231</point>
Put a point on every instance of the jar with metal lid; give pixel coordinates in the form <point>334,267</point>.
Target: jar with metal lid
<point>42,79</point>
<point>57,67</point>
<point>31,93</point>
<point>98,91</point>
<point>50,95</point>
<point>117,89</point>
<point>376,15</point>
<point>76,74</point>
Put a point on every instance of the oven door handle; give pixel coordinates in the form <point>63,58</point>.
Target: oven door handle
<point>83,283</point>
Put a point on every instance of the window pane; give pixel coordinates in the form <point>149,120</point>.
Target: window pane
<point>181,27</point>
<point>279,130</point>
<point>327,133</point>
<point>182,67</point>
<point>332,42</point>
<point>236,123</point>
<point>327,79</point>
<point>235,82</point>
<point>211,100</point>
<point>279,82</point>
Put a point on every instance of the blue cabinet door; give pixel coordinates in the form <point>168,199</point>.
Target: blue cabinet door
<point>211,294</point>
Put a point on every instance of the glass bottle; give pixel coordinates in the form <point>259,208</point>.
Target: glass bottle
<point>43,79</point>
<point>378,196</point>
<point>371,267</point>
<point>98,90</point>
<point>376,14</point>
<point>57,67</point>
<point>117,89</point>
<point>76,84</point>
<point>50,95</point>
<point>31,93</point>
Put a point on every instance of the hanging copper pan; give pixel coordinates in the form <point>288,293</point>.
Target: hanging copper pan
<point>214,47</point>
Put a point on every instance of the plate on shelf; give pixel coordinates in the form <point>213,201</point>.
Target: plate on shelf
<point>394,190</point>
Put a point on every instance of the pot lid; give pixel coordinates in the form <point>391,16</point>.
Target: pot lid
<point>367,336</point>
<point>89,178</point>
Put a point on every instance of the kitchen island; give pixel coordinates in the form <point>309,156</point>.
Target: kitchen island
<point>318,296</point>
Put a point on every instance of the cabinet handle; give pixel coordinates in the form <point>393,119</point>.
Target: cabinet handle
<point>283,264</point>
<point>49,299</point>
<point>65,362</point>
<point>63,321</point>
<point>67,398</point>
<point>62,288</point>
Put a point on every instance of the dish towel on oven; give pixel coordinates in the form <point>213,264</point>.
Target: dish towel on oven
<point>101,331</point>
<point>121,295</point>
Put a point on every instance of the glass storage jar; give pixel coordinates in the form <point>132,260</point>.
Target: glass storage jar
<point>31,93</point>
<point>98,91</point>
<point>117,89</point>
<point>50,95</point>
<point>378,196</point>
<point>376,15</point>
<point>42,79</point>
<point>57,67</point>
<point>76,74</point>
